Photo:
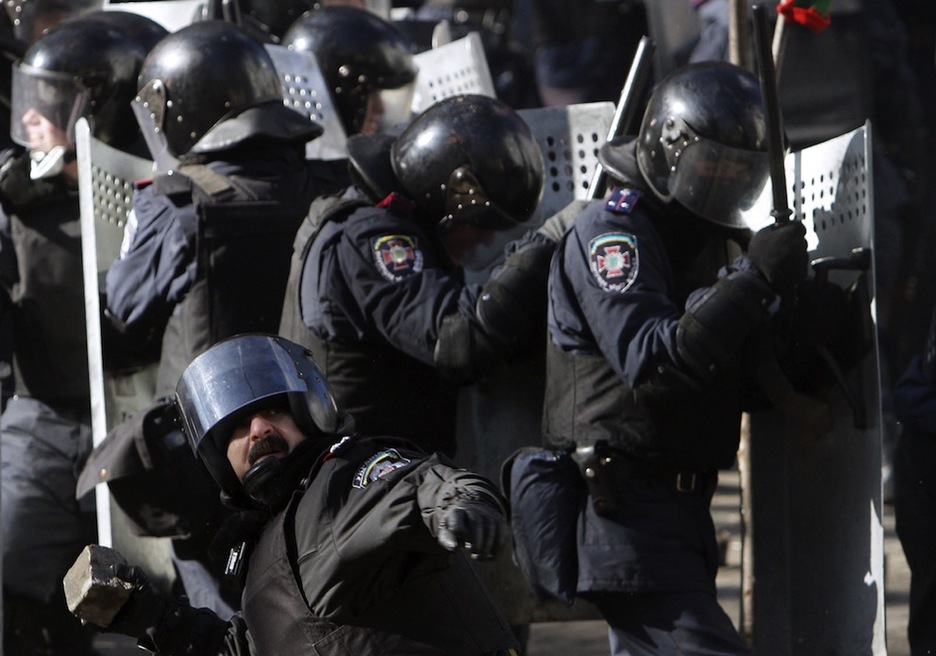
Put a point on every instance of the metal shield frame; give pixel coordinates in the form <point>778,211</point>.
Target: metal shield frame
<point>105,187</point>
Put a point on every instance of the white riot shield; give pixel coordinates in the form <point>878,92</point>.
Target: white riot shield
<point>816,513</point>
<point>105,186</point>
<point>305,90</point>
<point>452,69</point>
<point>503,412</point>
<point>171,14</point>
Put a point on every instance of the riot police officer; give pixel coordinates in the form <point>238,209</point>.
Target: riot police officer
<point>207,245</point>
<point>359,545</point>
<point>80,68</point>
<point>648,362</point>
<point>211,105</point>
<point>376,288</point>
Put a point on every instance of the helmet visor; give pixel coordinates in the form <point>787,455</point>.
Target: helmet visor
<point>718,182</point>
<point>229,379</point>
<point>44,107</point>
<point>388,108</point>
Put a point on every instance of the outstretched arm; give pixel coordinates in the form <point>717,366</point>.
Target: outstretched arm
<point>102,589</point>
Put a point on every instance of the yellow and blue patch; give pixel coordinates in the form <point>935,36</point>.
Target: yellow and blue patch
<point>378,466</point>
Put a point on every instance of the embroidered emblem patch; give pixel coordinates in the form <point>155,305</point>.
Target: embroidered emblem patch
<point>397,256</point>
<point>613,261</point>
<point>378,466</point>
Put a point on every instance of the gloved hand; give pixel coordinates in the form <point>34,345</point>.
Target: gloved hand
<point>779,252</point>
<point>818,312</point>
<point>162,624</point>
<point>476,525</point>
<point>556,225</point>
<point>143,612</point>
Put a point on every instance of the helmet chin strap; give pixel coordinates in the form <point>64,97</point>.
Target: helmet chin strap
<point>48,164</point>
<point>272,481</point>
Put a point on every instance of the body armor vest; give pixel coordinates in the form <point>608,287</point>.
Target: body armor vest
<point>243,246</point>
<point>671,421</point>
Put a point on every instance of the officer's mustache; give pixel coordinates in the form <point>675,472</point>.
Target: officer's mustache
<point>273,443</point>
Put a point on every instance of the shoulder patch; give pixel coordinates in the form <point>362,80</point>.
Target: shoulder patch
<point>622,201</point>
<point>614,261</point>
<point>397,256</point>
<point>378,466</point>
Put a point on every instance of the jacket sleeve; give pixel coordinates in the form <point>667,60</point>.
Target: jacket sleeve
<point>157,263</point>
<point>443,485</point>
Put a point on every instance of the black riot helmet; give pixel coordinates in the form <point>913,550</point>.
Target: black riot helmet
<point>140,28</point>
<point>31,18</point>
<point>242,375</point>
<point>276,17</point>
<point>470,159</point>
<point>702,142</point>
<point>358,53</point>
<point>84,66</point>
<point>211,86</point>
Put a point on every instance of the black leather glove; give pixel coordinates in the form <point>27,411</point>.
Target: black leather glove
<point>162,624</point>
<point>476,525</point>
<point>779,252</point>
<point>818,313</point>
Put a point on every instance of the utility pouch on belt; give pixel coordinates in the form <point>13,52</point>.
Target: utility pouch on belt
<point>595,463</point>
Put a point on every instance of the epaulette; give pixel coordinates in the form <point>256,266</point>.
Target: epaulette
<point>171,184</point>
<point>338,447</point>
<point>189,179</point>
<point>622,200</point>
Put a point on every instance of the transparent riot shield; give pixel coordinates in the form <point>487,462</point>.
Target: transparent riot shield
<point>171,14</point>
<point>105,186</point>
<point>452,69</point>
<point>815,516</point>
<point>305,90</point>
<point>503,412</point>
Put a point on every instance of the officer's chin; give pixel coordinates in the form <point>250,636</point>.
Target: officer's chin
<point>260,474</point>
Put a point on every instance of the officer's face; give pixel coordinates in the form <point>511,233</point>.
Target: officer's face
<point>43,135</point>
<point>270,433</point>
<point>373,113</point>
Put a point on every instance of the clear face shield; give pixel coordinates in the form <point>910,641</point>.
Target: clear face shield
<point>715,181</point>
<point>388,109</point>
<point>228,379</point>
<point>44,108</point>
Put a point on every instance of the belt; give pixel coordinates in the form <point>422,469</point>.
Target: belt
<point>682,480</point>
<point>592,459</point>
